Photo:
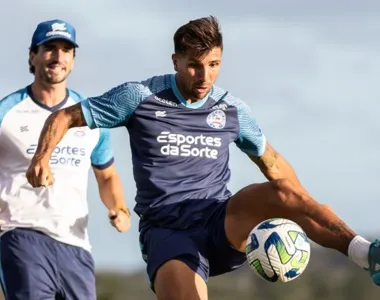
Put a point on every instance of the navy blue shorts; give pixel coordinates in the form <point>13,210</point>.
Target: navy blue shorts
<point>203,246</point>
<point>34,266</point>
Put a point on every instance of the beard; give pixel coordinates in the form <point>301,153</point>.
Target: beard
<point>53,78</point>
<point>195,95</point>
<point>190,92</point>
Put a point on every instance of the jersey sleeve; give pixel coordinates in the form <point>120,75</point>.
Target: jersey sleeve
<point>10,101</point>
<point>115,107</point>
<point>251,139</point>
<point>102,155</point>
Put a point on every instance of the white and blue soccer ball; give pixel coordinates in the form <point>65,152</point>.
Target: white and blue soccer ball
<point>278,250</point>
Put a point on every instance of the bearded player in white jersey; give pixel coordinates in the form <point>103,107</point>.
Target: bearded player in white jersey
<point>44,244</point>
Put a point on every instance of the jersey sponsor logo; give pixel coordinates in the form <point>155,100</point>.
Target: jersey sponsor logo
<point>216,119</point>
<point>222,106</point>
<point>174,144</point>
<point>63,155</point>
<point>167,102</point>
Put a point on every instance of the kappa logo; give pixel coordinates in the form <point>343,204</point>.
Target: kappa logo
<point>160,113</point>
<point>24,128</point>
<point>216,119</point>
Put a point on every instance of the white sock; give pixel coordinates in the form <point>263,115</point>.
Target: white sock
<point>358,251</point>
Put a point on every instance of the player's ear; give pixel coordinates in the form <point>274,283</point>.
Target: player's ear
<point>175,62</point>
<point>32,55</point>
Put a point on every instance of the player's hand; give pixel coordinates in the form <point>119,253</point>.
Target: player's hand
<point>39,174</point>
<point>120,219</point>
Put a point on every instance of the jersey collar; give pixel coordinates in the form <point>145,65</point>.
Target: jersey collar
<point>52,108</point>
<point>178,94</point>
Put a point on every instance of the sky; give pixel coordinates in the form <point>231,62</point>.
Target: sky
<point>308,69</point>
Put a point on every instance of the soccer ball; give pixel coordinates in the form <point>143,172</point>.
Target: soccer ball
<point>278,250</point>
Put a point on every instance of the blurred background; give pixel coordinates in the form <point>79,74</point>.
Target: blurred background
<point>309,71</point>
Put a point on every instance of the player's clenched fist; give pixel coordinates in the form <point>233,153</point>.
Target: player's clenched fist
<point>39,174</point>
<point>120,219</point>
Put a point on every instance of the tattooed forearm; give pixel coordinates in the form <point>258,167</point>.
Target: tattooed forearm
<point>340,229</point>
<point>268,161</point>
<point>269,158</point>
<point>274,166</point>
<point>55,127</point>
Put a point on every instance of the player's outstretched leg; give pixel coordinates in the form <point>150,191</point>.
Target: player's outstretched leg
<point>176,281</point>
<point>279,198</point>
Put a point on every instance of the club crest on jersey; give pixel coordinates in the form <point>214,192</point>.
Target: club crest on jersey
<point>79,133</point>
<point>216,119</point>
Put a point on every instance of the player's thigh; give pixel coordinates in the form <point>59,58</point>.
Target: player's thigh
<point>77,272</point>
<point>252,205</point>
<point>27,266</point>
<point>175,280</point>
<point>223,257</point>
<point>162,245</point>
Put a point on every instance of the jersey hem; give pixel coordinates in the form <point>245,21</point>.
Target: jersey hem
<point>84,245</point>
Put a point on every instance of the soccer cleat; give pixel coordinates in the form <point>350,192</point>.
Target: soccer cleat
<point>374,261</point>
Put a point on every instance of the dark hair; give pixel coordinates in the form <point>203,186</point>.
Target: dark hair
<point>199,36</point>
<point>34,49</point>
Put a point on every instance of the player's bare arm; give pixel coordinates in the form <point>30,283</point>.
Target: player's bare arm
<point>285,196</point>
<point>274,166</point>
<point>112,195</point>
<point>55,127</point>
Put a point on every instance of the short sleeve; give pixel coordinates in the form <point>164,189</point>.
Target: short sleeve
<point>115,107</point>
<point>251,139</point>
<point>10,101</point>
<point>102,156</point>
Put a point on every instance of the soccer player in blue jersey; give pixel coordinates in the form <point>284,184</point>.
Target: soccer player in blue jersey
<point>180,127</point>
<point>44,244</point>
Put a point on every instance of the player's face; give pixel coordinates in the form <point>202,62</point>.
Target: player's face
<point>53,62</point>
<point>196,76</point>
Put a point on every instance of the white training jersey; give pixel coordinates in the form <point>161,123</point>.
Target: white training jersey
<point>60,210</point>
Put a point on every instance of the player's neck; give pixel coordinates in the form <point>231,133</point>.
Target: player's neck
<point>183,92</point>
<point>49,94</point>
